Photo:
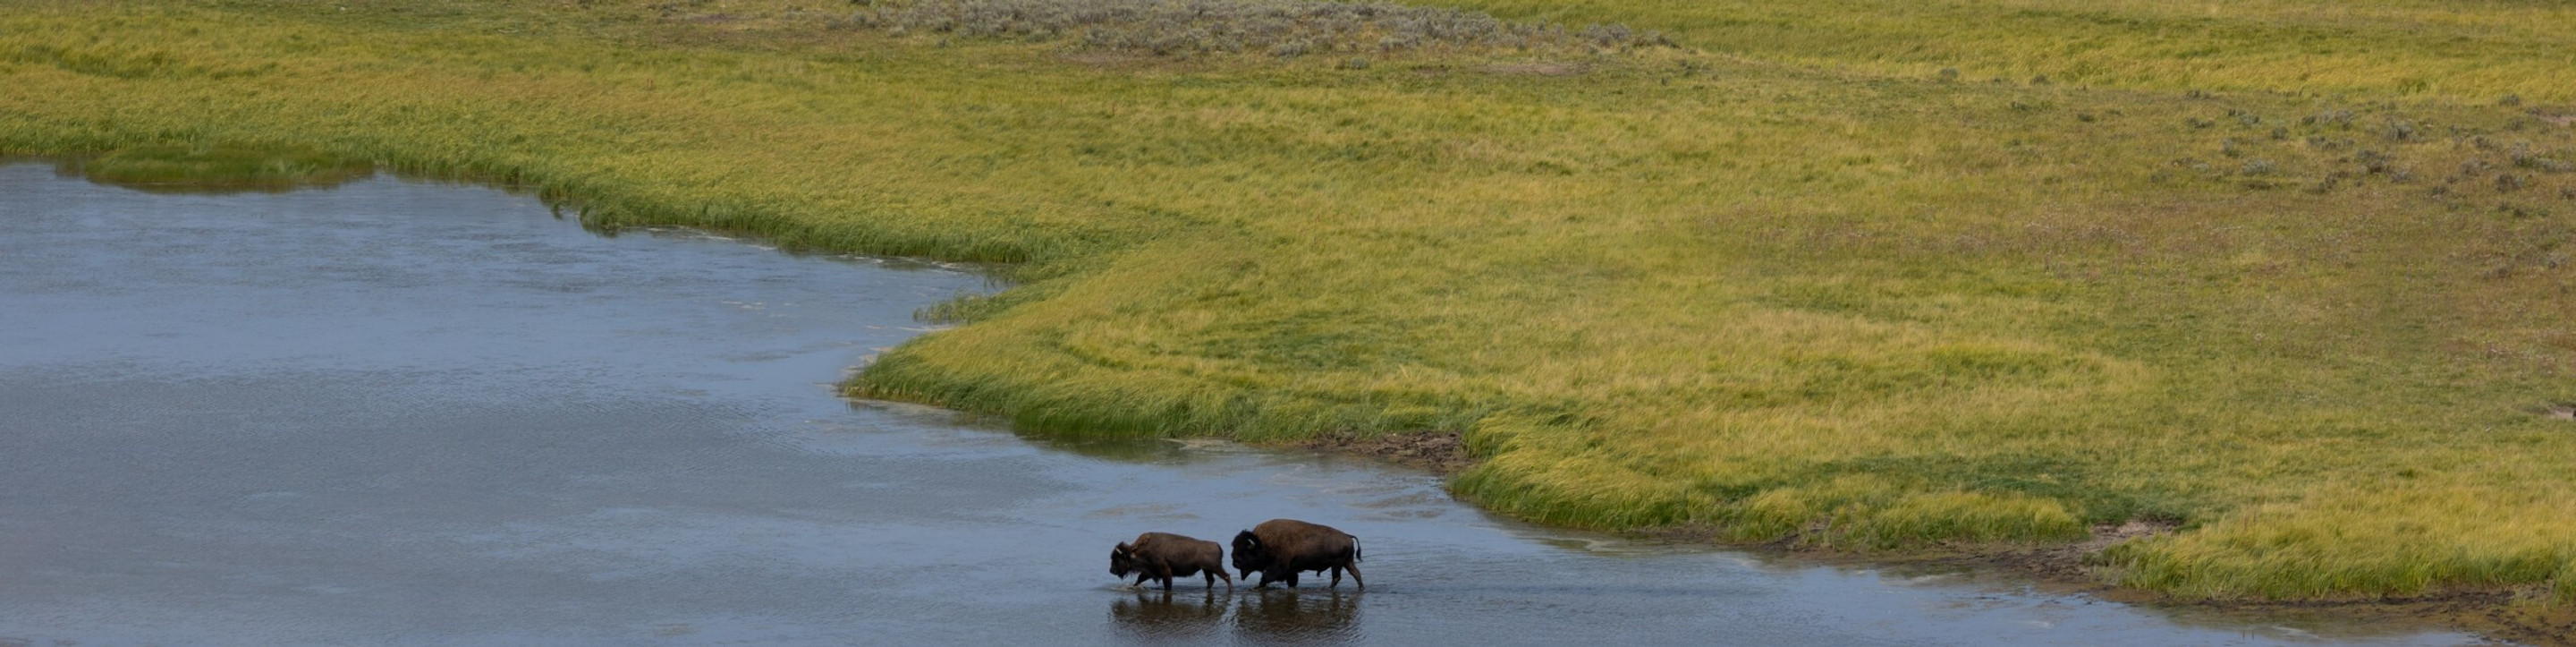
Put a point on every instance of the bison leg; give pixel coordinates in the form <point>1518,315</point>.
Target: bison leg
<point>1213,576</point>
<point>1355,575</point>
<point>1337,578</point>
<point>1167,583</point>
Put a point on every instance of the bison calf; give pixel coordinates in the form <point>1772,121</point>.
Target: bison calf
<point>1163,556</point>
<point>1282,548</point>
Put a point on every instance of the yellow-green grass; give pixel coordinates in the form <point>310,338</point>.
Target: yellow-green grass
<point>1786,291</point>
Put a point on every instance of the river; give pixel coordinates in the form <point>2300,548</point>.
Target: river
<point>417,413</point>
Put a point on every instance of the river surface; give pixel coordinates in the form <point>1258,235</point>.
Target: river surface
<point>399,412</point>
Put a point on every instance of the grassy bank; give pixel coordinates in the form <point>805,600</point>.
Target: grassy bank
<point>1789,280</point>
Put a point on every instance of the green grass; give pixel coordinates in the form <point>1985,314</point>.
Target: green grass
<point>1787,281</point>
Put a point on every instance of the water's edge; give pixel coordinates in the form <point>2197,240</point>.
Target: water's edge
<point>1164,482</point>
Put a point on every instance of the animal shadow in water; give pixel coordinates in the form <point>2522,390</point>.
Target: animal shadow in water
<point>1279,615</point>
<point>1158,615</point>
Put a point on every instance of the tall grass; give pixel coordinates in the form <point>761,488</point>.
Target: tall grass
<point>1789,288</point>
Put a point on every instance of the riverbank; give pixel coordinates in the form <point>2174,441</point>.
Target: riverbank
<point>1898,296</point>
<point>2521,615</point>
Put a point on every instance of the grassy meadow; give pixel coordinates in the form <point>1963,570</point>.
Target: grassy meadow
<point>1860,274</point>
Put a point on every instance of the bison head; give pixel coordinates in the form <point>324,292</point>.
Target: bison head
<point>1249,553</point>
<point>1122,560</point>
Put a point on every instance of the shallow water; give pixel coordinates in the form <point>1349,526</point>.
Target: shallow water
<point>414,413</point>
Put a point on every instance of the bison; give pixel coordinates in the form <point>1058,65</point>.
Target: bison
<point>1163,556</point>
<point>1281,548</point>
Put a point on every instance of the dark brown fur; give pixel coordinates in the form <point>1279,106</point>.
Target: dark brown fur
<point>1163,556</point>
<point>1282,548</point>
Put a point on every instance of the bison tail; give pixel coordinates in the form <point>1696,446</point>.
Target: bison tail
<point>1355,549</point>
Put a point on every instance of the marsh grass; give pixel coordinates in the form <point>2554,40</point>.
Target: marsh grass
<point>1801,287</point>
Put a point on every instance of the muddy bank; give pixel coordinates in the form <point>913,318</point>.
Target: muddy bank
<point>1441,453</point>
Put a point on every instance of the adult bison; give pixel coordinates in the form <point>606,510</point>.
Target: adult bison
<point>1163,556</point>
<point>1281,548</point>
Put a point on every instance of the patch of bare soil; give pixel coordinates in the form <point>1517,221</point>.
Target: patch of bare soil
<point>1441,452</point>
<point>2065,563</point>
<point>2522,621</point>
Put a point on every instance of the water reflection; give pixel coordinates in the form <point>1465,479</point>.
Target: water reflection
<point>182,183</point>
<point>1164,616</point>
<point>1266,616</point>
<point>1274,615</point>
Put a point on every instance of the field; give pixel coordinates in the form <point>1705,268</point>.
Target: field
<point>2292,275</point>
